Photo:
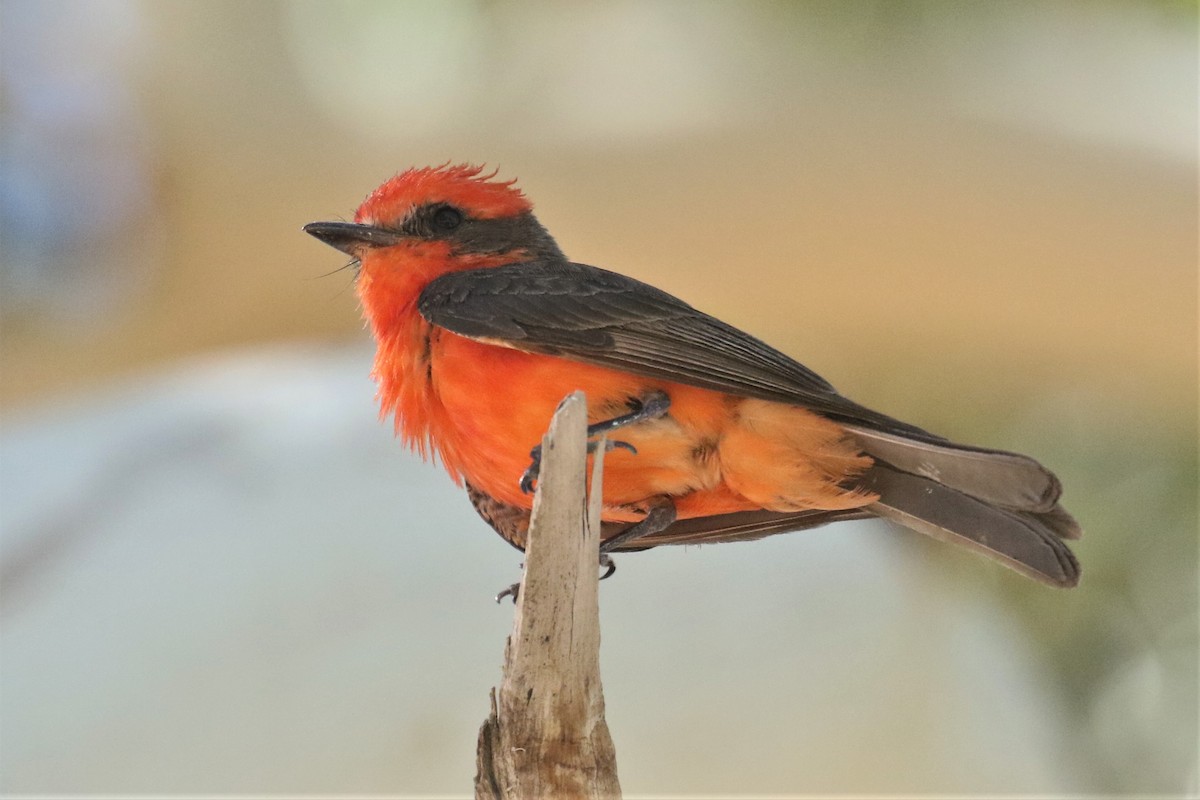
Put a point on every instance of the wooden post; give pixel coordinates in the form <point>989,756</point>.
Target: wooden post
<point>546,735</point>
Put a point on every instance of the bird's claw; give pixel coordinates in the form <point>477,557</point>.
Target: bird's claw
<point>531,472</point>
<point>513,591</point>
<point>654,405</point>
<point>529,476</point>
<point>609,565</point>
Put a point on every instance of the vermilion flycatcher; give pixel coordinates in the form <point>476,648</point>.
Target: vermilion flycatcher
<point>483,326</point>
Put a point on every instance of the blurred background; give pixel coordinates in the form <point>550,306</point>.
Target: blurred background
<point>220,573</point>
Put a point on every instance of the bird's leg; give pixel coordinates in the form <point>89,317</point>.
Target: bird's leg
<point>659,517</point>
<point>652,406</point>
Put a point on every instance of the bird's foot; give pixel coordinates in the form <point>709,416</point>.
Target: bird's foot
<point>660,516</point>
<point>652,406</point>
<point>530,475</point>
<point>514,591</point>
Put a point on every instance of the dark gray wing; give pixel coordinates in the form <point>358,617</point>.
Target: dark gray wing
<point>589,314</point>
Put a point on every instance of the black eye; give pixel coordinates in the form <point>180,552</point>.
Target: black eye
<point>446,219</point>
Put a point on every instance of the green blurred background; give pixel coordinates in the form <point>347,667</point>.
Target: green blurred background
<point>978,217</point>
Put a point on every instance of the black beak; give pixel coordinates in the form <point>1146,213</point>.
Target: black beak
<point>352,238</point>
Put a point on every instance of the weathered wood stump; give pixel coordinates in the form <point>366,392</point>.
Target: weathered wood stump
<point>546,736</point>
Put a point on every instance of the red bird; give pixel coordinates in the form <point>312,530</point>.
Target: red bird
<point>483,326</point>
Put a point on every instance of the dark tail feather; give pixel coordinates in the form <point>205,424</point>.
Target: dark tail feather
<point>1030,542</point>
<point>1009,480</point>
<point>1059,521</point>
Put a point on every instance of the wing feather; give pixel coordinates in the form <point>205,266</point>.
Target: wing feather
<point>600,317</point>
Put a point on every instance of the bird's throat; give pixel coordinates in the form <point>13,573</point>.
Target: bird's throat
<point>389,286</point>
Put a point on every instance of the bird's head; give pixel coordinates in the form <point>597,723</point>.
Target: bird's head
<point>453,216</point>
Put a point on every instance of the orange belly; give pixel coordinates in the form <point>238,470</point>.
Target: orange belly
<point>713,453</point>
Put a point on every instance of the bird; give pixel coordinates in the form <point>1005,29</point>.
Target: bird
<point>482,326</point>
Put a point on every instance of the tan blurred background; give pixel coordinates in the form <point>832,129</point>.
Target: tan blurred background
<point>979,217</point>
